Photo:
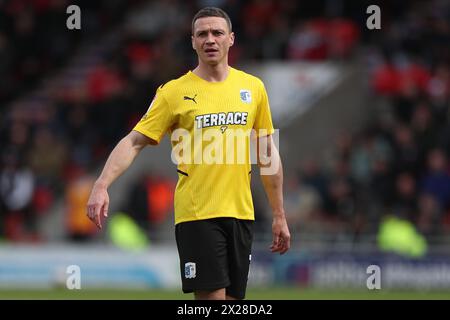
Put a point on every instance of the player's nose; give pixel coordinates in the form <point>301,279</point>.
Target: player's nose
<point>210,39</point>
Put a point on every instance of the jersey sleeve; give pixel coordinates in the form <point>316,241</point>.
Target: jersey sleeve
<point>158,118</point>
<point>263,119</point>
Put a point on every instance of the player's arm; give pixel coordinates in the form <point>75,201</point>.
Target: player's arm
<point>271,171</point>
<point>118,161</point>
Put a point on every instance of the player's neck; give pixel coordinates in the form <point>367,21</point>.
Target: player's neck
<point>210,73</point>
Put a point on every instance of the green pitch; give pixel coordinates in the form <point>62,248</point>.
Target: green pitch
<point>253,294</point>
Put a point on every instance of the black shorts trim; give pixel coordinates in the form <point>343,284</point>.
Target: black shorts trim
<point>206,287</point>
<point>214,254</point>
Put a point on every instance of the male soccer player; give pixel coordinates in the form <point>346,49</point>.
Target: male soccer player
<point>213,205</point>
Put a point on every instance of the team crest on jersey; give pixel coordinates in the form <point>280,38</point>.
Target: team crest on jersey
<point>189,270</point>
<point>246,96</point>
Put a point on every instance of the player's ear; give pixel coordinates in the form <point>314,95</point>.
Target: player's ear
<point>231,39</point>
<point>193,42</point>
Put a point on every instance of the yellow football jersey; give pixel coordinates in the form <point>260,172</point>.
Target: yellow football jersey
<point>212,183</point>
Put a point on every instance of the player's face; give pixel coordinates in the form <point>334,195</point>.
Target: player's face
<point>212,39</point>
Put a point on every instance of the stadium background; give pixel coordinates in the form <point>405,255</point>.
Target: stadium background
<point>364,136</point>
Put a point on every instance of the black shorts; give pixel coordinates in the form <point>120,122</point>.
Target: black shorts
<point>215,254</point>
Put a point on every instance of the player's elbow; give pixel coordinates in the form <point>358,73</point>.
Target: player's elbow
<point>271,166</point>
<point>138,141</point>
<point>264,161</point>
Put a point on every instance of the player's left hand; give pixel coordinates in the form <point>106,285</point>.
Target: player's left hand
<point>281,235</point>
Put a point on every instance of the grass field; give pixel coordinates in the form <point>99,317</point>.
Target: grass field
<point>253,294</point>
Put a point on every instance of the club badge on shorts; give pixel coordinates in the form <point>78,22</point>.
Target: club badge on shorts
<point>189,270</point>
<point>246,96</point>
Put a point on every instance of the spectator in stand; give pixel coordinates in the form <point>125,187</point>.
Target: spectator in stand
<point>16,191</point>
<point>436,181</point>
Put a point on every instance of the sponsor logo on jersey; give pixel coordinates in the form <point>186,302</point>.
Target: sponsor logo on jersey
<point>221,119</point>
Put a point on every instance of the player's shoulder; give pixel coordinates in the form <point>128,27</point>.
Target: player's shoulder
<point>174,84</point>
<point>245,76</point>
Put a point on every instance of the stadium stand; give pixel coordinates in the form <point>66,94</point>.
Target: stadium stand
<point>68,97</point>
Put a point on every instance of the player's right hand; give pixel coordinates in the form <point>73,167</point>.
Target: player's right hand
<point>98,204</point>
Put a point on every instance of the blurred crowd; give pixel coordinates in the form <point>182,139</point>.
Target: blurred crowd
<point>52,141</point>
<point>48,139</point>
<point>399,164</point>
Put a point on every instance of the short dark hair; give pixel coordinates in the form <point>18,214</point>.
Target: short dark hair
<point>211,12</point>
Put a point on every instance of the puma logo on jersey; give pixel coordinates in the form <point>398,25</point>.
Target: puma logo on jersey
<point>189,98</point>
<point>221,119</point>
